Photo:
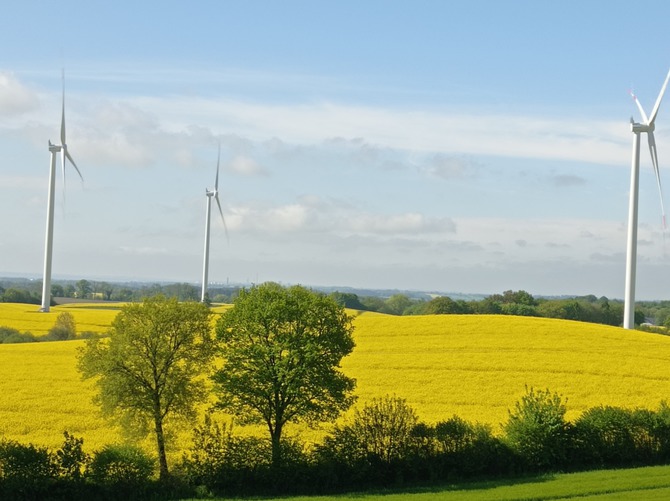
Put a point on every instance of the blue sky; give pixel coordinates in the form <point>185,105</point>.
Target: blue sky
<point>430,145</point>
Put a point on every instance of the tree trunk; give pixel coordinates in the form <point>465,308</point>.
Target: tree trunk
<point>276,446</point>
<point>160,445</point>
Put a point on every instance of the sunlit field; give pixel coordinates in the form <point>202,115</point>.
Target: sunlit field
<point>89,317</point>
<point>477,366</point>
<point>474,366</point>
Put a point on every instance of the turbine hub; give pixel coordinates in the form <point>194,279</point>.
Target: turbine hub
<point>638,128</point>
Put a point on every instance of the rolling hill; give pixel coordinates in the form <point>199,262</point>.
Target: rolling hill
<point>473,366</point>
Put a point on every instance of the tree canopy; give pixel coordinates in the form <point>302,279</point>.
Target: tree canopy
<point>282,350</point>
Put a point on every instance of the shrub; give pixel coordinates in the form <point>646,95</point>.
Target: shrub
<point>220,461</point>
<point>64,328</point>
<point>455,434</point>
<point>71,460</point>
<point>26,471</point>
<point>121,465</point>
<point>612,436</point>
<point>537,430</point>
<point>11,335</point>
<point>382,429</point>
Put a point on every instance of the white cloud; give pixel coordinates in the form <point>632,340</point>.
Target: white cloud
<point>15,98</point>
<point>400,224</point>
<point>246,166</point>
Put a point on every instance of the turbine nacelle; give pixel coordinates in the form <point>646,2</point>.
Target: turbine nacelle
<point>638,128</point>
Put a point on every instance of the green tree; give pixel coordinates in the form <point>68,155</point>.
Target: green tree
<point>281,351</point>
<point>150,366</point>
<point>396,304</point>
<point>57,290</point>
<point>64,328</point>
<point>107,290</point>
<point>444,305</point>
<point>83,288</point>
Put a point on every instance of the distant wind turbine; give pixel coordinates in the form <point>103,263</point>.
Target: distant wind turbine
<point>48,247</point>
<point>647,126</point>
<point>210,194</point>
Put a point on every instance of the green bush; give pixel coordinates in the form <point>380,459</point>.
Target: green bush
<point>71,460</point>
<point>538,432</point>
<point>219,460</point>
<point>382,430</point>
<point>121,465</point>
<point>64,328</point>
<point>613,436</point>
<point>11,335</point>
<point>26,471</point>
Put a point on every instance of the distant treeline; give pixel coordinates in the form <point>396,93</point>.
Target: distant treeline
<point>521,303</point>
<point>582,308</point>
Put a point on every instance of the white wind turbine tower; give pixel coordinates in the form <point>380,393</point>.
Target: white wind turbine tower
<point>210,194</point>
<point>631,257</point>
<point>48,247</point>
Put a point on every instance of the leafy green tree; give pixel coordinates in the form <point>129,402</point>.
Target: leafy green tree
<point>84,288</point>
<point>444,305</point>
<point>281,351</point>
<point>538,431</point>
<point>396,304</point>
<point>57,290</point>
<point>106,289</point>
<point>348,300</point>
<point>150,366</point>
<point>64,328</point>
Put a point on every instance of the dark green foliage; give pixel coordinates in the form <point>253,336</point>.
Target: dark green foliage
<point>71,461</point>
<point>222,461</point>
<point>13,295</point>
<point>11,335</point>
<point>381,431</point>
<point>612,436</point>
<point>26,471</point>
<point>121,466</point>
<point>444,305</point>
<point>537,430</point>
<point>64,328</point>
<point>348,300</point>
<point>396,304</point>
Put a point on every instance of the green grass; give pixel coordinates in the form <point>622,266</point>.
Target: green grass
<point>651,483</point>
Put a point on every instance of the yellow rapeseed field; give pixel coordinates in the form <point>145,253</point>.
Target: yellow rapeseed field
<point>474,366</point>
<point>477,366</point>
<point>91,317</point>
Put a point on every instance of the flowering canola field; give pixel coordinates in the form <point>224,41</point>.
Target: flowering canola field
<point>474,366</point>
<point>477,366</point>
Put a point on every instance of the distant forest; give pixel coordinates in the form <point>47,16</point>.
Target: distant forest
<point>650,315</point>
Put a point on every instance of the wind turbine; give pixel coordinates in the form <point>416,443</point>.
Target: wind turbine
<point>647,126</point>
<point>215,195</point>
<point>48,246</point>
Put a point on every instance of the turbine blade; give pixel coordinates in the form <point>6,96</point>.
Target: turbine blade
<point>62,168</point>
<point>652,117</point>
<point>639,107</point>
<point>69,157</point>
<point>216,197</point>
<point>216,183</point>
<point>654,161</point>
<point>62,122</point>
